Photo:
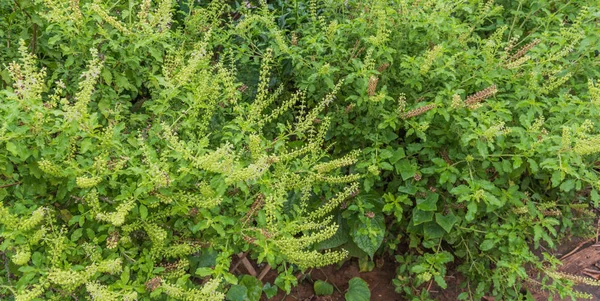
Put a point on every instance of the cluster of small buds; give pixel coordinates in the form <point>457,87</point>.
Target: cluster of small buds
<point>32,293</point>
<point>172,62</point>
<point>264,76</point>
<point>495,130</point>
<point>320,233</point>
<point>111,266</point>
<point>254,146</point>
<point>518,62</point>
<point>28,82</point>
<point>555,82</point>
<point>181,250</point>
<point>252,172</point>
<point>143,11</point>
<point>418,111</point>
<point>457,102</point>
<point>198,56</point>
<point>198,200</point>
<point>584,129</point>
<point>162,16</point>
<point>57,12</point>
<point>369,62</point>
<point>371,88</point>
<point>22,255</point>
<point>373,169</point>
<point>520,210</point>
<point>66,278</point>
<point>552,212</point>
<point>574,278</point>
<point>117,218</point>
<point>511,44</point>
<point>50,168</point>
<point>36,218</point>
<point>401,104</point>
<point>110,19</point>
<point>208,292</point>
<point>587,146</point>
<point>306,259</point>
<point>537,124</point>
<point>220,160</point>
<point>283,107</point>
<point>341,179</point>
<point>346,160</point>
<point>494,41</point>
<point>100,292</point>
<point>566,139</point>
<point>474,100</point>
<point>333,203</point>
<point>319,138</point>
<point>306,123</point>
<point>157,234</point>
<point>87,182</point>
<point>430,57</point>
<point>37,236</point>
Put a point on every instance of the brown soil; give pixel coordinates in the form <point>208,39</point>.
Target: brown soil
<point>379,280</point>
<point>580,258</point>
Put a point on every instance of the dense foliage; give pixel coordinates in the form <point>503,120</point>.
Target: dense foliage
<point>144,143</point>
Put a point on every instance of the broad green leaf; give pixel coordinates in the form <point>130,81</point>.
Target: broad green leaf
<point>253,286</point>
<point>270,290</point>
<point>12,148</point>
<point>420,216</point>
<point>237,293</point>
<point>143,212</point>
<point>487,245</point>
<point>369,237</point>
<point>429,203</point>
<point>323,288</point>
<point>446,221</point>
<point>358,290</point>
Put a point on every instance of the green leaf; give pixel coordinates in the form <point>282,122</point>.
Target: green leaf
<point>270,290</point>
<point>440,281</point>
<point>567,185</point>
<point>76,234</point>
<point>487,244</point>
<point>420,216</point>
<point>143,212</point>
<point>107,76</point>
<point>429,203</point>
<point>446,221</point>
<point>12,148</point>
<point>253,286</point>
<point>323,288</point>
<point>471,211</point>
<point>369,237</point>
<point>406,169</point>
<point>431,230</point>
<point>358,290</point>
<point>203,272</point>
<point>237,293</point>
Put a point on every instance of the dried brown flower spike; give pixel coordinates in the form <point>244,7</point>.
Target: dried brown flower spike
<point>472,102</point>
<point>417,112</point>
